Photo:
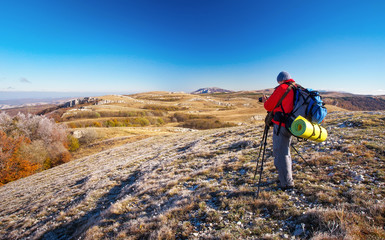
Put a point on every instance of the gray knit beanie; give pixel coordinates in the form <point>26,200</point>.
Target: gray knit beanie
<point>283,76</point>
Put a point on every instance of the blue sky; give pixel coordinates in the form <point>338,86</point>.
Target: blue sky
<point>182,45</point>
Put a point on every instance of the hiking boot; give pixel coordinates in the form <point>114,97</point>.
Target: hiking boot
<point>287,188</point>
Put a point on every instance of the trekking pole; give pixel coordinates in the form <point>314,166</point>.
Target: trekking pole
<point>263,157</point>
<point>263,142</point>
<point>292,145</point>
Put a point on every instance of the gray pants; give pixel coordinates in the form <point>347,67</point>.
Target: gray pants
<point>282,158</point>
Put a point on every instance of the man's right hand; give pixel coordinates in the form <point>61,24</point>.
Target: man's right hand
<point>264,98</point>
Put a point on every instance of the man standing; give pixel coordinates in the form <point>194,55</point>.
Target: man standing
<point>281,136</point>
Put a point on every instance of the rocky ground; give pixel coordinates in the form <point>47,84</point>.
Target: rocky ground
<point>199,185</point>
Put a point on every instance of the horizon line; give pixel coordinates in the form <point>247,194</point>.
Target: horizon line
<point>79,93</point>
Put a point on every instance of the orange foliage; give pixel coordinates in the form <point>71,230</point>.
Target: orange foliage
<point>12,164</point>
<point>97,124</point>
<point>61,158</point>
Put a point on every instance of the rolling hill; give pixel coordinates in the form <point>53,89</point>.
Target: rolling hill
<point>199,185</point>
<point>113,120</point>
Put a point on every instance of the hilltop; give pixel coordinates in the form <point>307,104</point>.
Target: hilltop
<point>198,185</point>
<point>211,90</point>
<point>356,102</point>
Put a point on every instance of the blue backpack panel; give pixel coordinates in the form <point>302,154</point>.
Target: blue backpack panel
<point>308,103</point>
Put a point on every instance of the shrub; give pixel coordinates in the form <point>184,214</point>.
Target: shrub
<point>33,127</point>
<point>182,117</point>
<point>81,114</point>
<point>198,121</point>
<point>160,121</point>
<point>110,123</point>
<point>121,114</point>
<point>163,108</point>
<point>158,113</point>
<point>12,164</point>
<point>60,158</point>
<point>97,124</point>
<point>55,115</point>
<point>119,122</point>
<point>36,152</point>
<point>141,121</point>
<point>88,136</point>
<point>31,143</point>
<point>73,143</point>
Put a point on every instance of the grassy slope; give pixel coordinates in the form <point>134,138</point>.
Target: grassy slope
<point>235,109</point>
<point>199,185</point>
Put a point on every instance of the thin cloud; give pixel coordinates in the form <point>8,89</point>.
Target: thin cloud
<point>24,80</point>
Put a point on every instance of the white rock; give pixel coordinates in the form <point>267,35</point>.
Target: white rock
<point>359,178</point>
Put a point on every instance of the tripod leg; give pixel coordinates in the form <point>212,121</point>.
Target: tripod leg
<point>264,138</point>
<point>302,158</point>
<point>263,158</point>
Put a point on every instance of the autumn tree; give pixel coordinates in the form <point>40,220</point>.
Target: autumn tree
<point>30,143</point>
<point>12,164</point>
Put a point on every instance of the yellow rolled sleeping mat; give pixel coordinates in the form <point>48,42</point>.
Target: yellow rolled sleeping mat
<point>301,127</point>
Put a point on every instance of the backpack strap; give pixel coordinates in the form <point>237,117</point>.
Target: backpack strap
<point>282,118</point>
<point>320,133</point>
<point>291,85</point>
<point>279,127</point>
<point>310,110</point>
<point>297,95</point>
<point>269,116</point>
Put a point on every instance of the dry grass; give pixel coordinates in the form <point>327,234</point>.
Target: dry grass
<point>114,137</point>
<point>102,145</point>
<point>210,111</point>
<point>199,185</point>
<point>232,109</point>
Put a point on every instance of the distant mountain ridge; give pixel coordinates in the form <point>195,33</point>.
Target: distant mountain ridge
<point>349,101</point>
<point>211,90</point>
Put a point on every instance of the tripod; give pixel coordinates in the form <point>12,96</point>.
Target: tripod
<point>263,145</point>
<point>292,145</point>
